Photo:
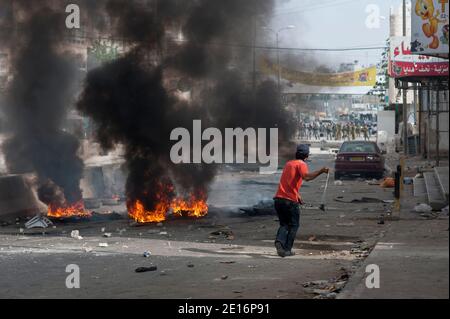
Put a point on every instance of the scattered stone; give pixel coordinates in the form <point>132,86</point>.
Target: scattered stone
<point>107,235</point>
<point>88,249</point>
<point>338,183</point>
<point>76,234</point>
<point>190,266</point>
<point>224,277</point>
<point>163,233</point>
<point>147,254</point>
<point>423,208</point>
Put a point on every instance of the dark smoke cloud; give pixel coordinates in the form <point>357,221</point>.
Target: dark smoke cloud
<point>131,103</point>
<point>37,102</point>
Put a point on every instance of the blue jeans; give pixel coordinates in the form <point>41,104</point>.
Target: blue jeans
<point>289,217</point>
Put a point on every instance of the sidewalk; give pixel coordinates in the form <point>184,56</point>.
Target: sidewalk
<point>413,258</point>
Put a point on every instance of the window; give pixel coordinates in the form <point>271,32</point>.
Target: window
<point>358,148</point>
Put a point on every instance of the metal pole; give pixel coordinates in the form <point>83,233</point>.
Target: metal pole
<point>421,139</point>
<point>405,97</point>
<point>416,119</point>
<point>438,133</point>
<point>429,123</point>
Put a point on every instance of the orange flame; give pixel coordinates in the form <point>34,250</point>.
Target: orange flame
<point>192,207</point>
<point>137,212</point>
<point>68,210</point>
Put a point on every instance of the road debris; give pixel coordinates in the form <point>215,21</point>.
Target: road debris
<point>146,269</point>
<point>366,200</point>
<point>227,262</point>
<point>103,245</point>
<point>338,183</point>
<point>326,289</point>
<point>423,208</point>
<point>147,254</point>
<point>266,207</point>
<point>190,265</point>
<point>38,222</point>
<point>388,183</point>
<point>76,234</point>
<point>222,232</point>
<point>107,235</point>
<point>224,277</point>
<point>361,250</point>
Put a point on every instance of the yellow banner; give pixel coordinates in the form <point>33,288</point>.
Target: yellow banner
<point>365,77</point>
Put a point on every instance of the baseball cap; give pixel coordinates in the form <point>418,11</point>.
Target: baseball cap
<point>303,149</point>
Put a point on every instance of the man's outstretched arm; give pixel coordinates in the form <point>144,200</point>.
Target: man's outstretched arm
<point>312,176</point>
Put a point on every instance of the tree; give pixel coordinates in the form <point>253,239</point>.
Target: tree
<point>382,85</point>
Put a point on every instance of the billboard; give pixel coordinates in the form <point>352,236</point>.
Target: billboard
<point>362,78</point>
<point>429,27</point>
<point>403,63</point>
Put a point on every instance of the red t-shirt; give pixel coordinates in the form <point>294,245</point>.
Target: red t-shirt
<point>292,180</point>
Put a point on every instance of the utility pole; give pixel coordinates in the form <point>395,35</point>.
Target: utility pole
<point>438,133</point>
<point>405,95</point>
<point>399,176</point>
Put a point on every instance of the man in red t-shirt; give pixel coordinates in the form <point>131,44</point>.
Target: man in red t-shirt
<point>288,200</point>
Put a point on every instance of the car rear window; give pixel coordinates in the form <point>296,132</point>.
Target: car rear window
<point>358,148</point>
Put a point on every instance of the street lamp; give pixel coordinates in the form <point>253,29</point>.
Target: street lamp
<point>277,35</point>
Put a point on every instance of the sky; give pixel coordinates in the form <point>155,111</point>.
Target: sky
<point>333,24</point>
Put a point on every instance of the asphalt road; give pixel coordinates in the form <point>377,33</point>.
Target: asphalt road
<point>191,261</point>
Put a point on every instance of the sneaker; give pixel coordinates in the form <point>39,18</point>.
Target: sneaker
<point>290,253</point>
<point>280,249</point>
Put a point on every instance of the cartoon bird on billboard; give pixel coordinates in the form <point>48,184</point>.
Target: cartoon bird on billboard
<point>425,9</point>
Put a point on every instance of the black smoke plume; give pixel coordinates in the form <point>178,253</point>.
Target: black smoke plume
<point>37,101</point>
<point>133,103</point>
